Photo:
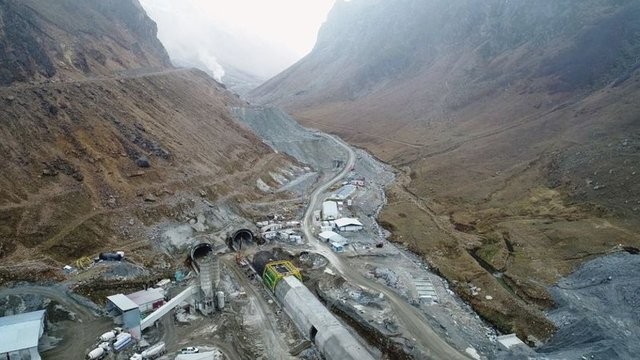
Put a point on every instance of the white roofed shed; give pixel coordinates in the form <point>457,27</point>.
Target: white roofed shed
<point>348,224</point>
<point>122,302</point>
<point>147,300</point>
<point>344,192</point>
<point>125,312</point>
<point>330,237</point>
<point>330,210</point>
<point>20,334</point>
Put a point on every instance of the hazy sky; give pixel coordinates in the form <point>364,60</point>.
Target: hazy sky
<point>261,37</point>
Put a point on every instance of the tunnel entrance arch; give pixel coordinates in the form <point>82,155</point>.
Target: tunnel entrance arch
<point>240,239</point>
<point>198,252</point>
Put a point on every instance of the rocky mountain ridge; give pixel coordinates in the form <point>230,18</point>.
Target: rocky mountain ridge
<point>65,40</point>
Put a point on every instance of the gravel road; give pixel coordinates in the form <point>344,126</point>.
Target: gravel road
<point>411,317</point>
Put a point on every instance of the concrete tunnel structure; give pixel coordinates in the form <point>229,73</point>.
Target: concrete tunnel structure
<point>239,238</point>
<point>205,263</point>
<point>198,252</point>
<point>314,320</point>
<point>333,339</point>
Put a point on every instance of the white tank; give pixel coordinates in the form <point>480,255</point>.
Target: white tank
<point>95,353</point>
<point>153,351</point>
<point>108,336</point>
<point>121,341</point>
<point>104,345</point>
<point>220,298</point>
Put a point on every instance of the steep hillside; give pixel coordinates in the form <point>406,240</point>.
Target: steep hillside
<point>516,125</point>
<point>69,39</point>
<point>95,163</point>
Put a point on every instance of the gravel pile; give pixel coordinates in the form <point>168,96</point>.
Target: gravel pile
<point>598,313</point>
<point>284,134</point>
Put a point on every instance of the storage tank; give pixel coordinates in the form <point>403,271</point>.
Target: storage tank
<point>111,256</point>
<point>220,298</point>
<point>122,341</point>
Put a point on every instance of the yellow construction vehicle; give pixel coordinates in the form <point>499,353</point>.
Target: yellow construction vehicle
<point>84,262</point>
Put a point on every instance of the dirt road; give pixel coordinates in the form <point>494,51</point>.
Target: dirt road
<point>276,345</point>
<point>411,317</point>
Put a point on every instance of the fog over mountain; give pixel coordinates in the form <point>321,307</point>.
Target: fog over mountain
<point>233,45</point>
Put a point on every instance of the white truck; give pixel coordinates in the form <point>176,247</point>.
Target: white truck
<point>150,353</point>
<point>108,336</point>
<point>154,351</point>
<point>97,353</point>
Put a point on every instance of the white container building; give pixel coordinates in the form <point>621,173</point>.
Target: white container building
<point>148,300</point>
<point>19,335</point>
<point>330,210</point>
<point>344,192</point>
<point>330,236</point>
<point>348,224</point>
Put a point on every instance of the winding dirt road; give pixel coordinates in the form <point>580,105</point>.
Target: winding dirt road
<point>412,318</point>
<point>276,345</point>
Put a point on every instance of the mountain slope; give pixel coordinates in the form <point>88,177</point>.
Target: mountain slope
<point>515,124</point>
<point>95,160</point>
<point>69,39</point>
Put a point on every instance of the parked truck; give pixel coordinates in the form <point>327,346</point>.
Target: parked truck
<point>108,336</point>
<point>97,353</point>
<point>154,351</point>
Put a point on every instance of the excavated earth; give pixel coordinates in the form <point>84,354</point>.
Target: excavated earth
<point>598,310</point>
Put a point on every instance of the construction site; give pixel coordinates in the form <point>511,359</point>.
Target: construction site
<point>427,180</point>
<point>309,275</point>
